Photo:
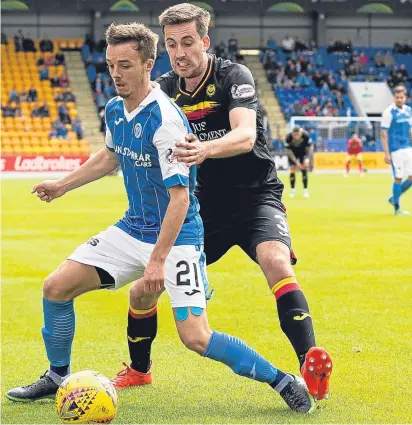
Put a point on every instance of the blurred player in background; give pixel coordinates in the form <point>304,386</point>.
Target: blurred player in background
<point>396,135</point>
<point>299,146</point>
<point>159,241</point>
<point>355,147</point>
<point>237,187</point>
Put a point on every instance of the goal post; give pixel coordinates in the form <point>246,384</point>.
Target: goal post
<point>332,133</point>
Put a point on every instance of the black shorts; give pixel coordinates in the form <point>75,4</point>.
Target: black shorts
<point>301,157</point>
<point>246,228</point>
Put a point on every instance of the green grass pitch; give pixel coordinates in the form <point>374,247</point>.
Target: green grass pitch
<point>354,266</point>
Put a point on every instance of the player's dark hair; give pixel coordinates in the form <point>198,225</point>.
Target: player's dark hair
<point>186,12</point>
<point>144,38</point>
<point>400,89</point>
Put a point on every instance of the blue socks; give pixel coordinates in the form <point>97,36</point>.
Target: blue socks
<point>406,185</point>
<point>397,192</point>
<point>58,334</point>
<point>243,360</point>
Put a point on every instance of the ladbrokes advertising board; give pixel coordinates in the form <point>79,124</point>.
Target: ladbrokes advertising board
<point>41,163</point>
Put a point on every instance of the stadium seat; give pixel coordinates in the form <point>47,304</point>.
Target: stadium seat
<point>19,70</point>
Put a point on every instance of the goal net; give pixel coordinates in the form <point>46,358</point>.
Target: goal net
<point>332,133</point>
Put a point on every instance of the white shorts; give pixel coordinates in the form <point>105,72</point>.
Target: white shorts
<point>402,163</point>
<point>125,259</point>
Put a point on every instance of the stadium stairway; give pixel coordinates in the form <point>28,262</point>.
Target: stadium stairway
<point>84,99</point>
<point>267,98</point>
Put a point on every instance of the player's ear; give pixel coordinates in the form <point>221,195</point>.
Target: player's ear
<point>206,43</point>
<point>149,65</point>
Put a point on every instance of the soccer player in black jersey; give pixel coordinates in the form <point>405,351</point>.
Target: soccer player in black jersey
<point>298,145</point>
<point>238,190</point>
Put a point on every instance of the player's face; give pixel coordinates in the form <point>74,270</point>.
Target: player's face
<point>296,135</point>
<point>126,68</point>
<point>400,99</point>
<point>186,49</point>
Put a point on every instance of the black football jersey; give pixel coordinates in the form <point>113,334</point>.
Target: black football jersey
<point>225,86</point>
<point>298,147</point>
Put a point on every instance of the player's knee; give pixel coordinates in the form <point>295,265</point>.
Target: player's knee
<point>274,254</point>
<point>279,263</point>
<point>196,341</point>
<point>139,299</point>
<point>54,290</point>
<point>275,262</point>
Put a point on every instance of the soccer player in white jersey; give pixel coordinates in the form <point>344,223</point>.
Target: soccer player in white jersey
<point>159,240</point>
<point>396,135</point>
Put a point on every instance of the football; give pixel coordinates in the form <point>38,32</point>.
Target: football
<point>86,397</point>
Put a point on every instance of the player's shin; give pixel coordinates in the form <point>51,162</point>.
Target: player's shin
<point>141,332</point>
<point>58,334</point>
<point>292,180</point>
<point>245,361</point>
<point>242,359</point>
<point>397,192</point>
<point>360,165</point>
<point>305,178</point>
<point>294,316</point>
<point>347,166</point>
<point>406,185</point>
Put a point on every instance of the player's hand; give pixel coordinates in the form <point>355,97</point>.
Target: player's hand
<point>49,190</point>
<point>154,276</point>
<point>191,151</point>
<point>388,158</point>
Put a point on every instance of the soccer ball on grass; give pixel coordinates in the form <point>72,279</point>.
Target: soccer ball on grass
<point>86,397</point>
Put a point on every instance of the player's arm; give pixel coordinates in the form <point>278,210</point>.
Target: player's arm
<point>308,148</point>
<point>239,140</point>
<point>291,155</point>
<point>176,179</point>
<point>96,167</point>
<point>385,124</point>
<point>172,222</point>
<point>289,151</point>
<point>385,145</point>
<point>240,90</point>
<point>239,87</point>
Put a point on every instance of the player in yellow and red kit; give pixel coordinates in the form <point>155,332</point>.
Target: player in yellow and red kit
<point>354,151</point>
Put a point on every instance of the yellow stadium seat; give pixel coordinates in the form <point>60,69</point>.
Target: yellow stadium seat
<point>47,149</point>
<point>26,141</point>
<point>7,149</point>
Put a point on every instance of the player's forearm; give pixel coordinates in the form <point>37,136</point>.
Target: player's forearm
<point>171,226</point>
<point>384,140</point>
<point>96,167</point>
<point>291,156</point>
<point>238,141</point>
